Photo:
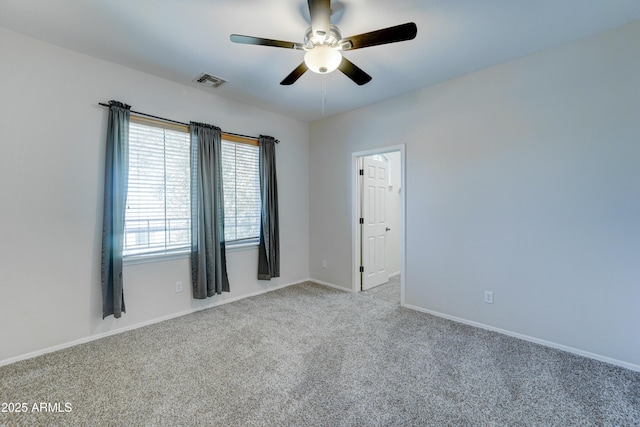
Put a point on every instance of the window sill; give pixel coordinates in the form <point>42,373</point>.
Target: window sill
<point>145,259</point>
<point>235,247</point>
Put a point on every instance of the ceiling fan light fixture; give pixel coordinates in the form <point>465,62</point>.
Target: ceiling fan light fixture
<point>324,44</point>
<point>322,59</point>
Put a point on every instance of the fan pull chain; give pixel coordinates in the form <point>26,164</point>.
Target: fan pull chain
<point>324,93</point>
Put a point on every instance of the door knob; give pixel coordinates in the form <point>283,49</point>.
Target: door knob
<point>388,229</point>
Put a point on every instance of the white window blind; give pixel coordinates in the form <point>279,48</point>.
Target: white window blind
<point>157,218</point>
<point>241,192</point>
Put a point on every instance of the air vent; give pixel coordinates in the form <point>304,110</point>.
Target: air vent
<point>209,80</point>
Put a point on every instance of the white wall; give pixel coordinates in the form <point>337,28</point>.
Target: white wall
<point>394,212</point>
<point>52,135</point>
<point>522,179</point>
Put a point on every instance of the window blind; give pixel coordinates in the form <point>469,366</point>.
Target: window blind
<point>158,203</point>
<point>241,185</point>
<point>157,218</point>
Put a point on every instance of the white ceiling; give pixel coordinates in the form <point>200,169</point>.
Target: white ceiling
<point>180,39</point>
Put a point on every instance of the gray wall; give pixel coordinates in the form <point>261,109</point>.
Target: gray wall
<point>52,133</point>
<point>522,179</point>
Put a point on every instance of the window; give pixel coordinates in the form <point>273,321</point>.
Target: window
<point>157,218</point>
<point>241,185</point>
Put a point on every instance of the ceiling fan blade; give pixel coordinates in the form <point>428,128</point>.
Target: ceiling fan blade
<point>237,38</point>
<point>320,13</point>
<point>354,72</point>
<point>295,75</point>
<point>395,34</point>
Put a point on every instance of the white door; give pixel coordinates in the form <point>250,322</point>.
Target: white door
<point>374,223</point>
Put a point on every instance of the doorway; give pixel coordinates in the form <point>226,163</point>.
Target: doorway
<point>378,201</point>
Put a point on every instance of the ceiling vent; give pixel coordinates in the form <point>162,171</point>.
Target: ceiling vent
<point>209,80</point>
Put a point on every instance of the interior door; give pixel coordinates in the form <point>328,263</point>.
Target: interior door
<point>374,223</point>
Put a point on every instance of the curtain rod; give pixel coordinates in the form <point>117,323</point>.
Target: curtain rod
<point>181,123</point>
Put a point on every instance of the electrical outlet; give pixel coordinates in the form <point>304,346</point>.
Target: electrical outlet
<point>178,287</point>
<point>488,297</point>
<point>324,263</point>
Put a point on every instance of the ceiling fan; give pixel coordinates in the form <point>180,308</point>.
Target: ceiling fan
<point>324,44</point>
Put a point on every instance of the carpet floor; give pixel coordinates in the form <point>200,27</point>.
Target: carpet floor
<point>308,355</point>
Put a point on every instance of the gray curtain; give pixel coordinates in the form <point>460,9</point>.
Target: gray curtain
<point>269,249</point>
<point>115,199</point>
<point>208,254</point>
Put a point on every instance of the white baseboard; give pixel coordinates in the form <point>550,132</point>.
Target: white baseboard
<point>599,357</point>
<point>98,336</point>
<point>331,285</point>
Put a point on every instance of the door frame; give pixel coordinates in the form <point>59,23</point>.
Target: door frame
<point>355,214</point>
